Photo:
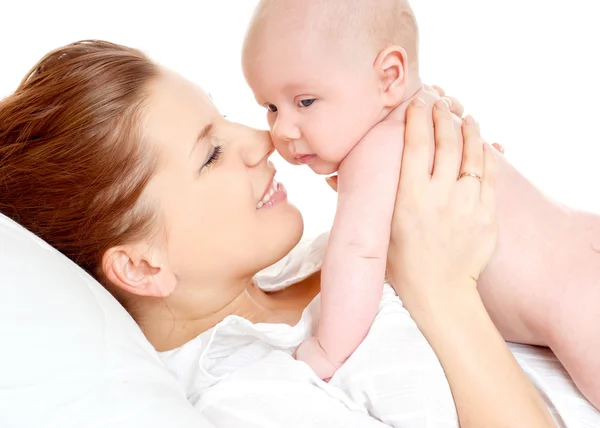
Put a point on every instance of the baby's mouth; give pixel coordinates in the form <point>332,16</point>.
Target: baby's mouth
<point>305,159</point>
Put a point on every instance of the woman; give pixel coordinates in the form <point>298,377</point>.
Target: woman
<point>131,172</point>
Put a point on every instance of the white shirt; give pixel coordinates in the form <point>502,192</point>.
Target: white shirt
<point>240,374</point>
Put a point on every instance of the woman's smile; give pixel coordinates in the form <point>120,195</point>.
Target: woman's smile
<point>274,193</point>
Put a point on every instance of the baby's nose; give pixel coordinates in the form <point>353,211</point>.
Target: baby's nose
<point>286,130</point>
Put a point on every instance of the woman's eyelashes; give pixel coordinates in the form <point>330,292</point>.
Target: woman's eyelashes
<point>213,158</point>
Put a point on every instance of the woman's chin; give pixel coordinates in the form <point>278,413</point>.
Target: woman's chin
<point>285,236</point>
<point>294,230</point>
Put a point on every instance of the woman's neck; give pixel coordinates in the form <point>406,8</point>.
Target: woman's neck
<point>171,326</point>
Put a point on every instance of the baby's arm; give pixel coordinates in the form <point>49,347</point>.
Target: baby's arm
<point>354,265</point>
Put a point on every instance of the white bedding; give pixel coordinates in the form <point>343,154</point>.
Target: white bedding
<point>71,356</point>
<point>243,375</point>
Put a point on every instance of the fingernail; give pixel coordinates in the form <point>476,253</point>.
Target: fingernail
<point>448,101</point>
<point>418,102</point>
<point>442,105</point>
<point>470,121</point>
<point>332,181</point>
<point>498,147</point>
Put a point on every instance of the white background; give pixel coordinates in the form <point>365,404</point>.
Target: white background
<point>527,69</point>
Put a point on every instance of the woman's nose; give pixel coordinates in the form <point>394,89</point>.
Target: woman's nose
<point>257,147</point>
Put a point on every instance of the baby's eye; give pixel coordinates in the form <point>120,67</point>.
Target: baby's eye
<point>305,103</point>
<point>271,107</point>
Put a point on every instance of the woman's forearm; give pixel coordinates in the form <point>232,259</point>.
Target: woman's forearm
<point>488,385</point>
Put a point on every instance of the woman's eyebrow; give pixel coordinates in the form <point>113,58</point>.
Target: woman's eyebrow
<point>203,134</point>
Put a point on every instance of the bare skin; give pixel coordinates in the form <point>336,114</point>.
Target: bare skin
<point>542,286</point>
<point>174,297</point>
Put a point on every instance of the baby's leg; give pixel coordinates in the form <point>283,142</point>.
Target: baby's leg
<point>576,340</point>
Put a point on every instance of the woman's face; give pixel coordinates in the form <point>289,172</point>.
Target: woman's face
<point>212,186</point>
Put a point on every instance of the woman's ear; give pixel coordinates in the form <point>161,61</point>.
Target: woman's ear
<point>138,272</point>
<point>391,66</point>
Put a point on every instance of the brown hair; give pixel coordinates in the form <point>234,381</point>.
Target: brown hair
<point>72,166</point>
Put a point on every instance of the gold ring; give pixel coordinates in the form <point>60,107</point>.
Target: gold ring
<point>470,174</point>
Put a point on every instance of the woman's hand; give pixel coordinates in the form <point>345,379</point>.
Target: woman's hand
<point>443,234</point>
<point>444,229</point>
<point>456,106</point>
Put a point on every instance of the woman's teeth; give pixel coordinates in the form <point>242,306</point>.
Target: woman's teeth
<point>267,196</point>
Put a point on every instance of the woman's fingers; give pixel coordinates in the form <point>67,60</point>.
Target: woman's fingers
<point>455,106</point>
<point>447,146</point>
<point>471,172</point>
<point>488,183</point>
<point>439,90</point>
<point>442,233</point>
<point>499,147</point>
<point>332,181</point>
<point>415,158</point>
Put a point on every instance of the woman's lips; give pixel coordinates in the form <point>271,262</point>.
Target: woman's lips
<point>276,194</point>
<point>305,159</point>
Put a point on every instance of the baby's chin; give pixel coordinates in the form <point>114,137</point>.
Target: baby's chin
<point>324,168</point>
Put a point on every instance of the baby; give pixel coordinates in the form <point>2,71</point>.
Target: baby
<point>336,77</point>
<point>332,75</point>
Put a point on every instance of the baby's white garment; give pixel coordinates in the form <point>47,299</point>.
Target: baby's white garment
<point>240,374</point>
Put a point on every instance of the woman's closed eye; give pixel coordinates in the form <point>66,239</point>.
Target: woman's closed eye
<point>213,157</point>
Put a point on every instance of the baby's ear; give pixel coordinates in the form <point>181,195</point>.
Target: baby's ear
<point>391,66</point>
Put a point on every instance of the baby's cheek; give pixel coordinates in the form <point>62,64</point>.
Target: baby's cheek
<point>283,150</point>
<point>335,144</point>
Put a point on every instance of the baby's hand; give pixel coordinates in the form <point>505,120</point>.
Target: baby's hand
<point>311,353</point>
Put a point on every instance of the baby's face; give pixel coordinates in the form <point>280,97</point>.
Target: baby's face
<point>320,102</point>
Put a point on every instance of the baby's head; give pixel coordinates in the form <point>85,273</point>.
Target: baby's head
<point>328,71</point>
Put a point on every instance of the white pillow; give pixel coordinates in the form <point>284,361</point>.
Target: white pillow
<point>70,355</point>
